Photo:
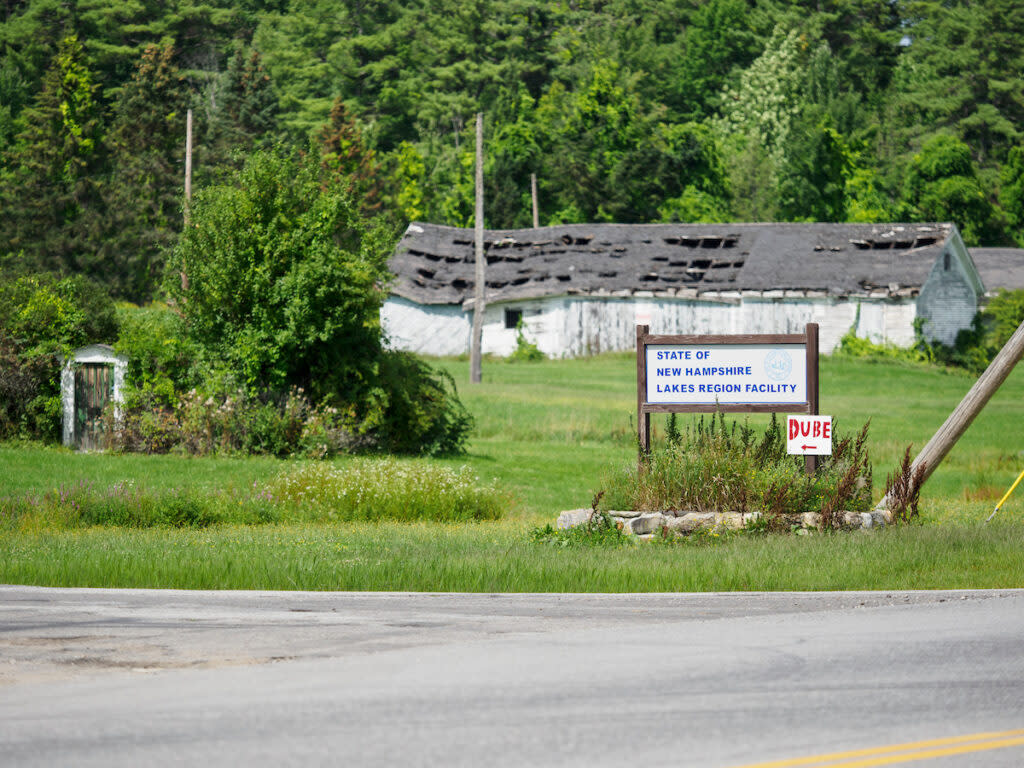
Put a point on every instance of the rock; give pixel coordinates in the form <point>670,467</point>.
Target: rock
<point>881,517</point>
<point>623,514</point>
<point>731,520</point>
<point>866,521</point>
<point>646,523</point>
<point>688,522</point>
<point>573,517</point>
<point>810,519</point>
<point>851,519</point>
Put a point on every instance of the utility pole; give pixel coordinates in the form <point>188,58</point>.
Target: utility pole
<point>188,181</point>
<point>533,196</point>
<point>960,419</point>
<point>188,163</point>
<point>478,285</point>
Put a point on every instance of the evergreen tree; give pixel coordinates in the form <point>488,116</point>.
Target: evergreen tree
<point>144,194</point>
<point>50,193</point>
<point>344,153</point>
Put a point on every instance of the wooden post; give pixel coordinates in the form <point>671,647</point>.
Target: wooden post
<point>960,419</point>
<point>811,462</point>
<point>188,181</point>
<point>533,196</point>
<point>188,162</point>
<point>643,418</point>
<point>475,374</point>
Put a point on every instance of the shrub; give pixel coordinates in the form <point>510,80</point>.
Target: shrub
<point>219,419</point>
<point>415,409</point>
<point>718,466</point>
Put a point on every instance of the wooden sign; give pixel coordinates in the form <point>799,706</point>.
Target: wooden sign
<point>748,373</point>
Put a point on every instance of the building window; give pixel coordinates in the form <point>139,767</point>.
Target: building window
<point>513,317</point>
<point>945,261</point>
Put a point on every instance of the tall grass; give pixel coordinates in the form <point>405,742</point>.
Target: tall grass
<point>369,489</point>
<point>499,557</point>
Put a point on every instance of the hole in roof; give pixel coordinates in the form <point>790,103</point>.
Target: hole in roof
<point>453,259</point>
<point>609,273</point>
<point>497,283</point>
<point>730,242</point>
<point>520,280</point>
<point>710,242</point>
<point>583,239</point>
<point>903,244</point>
<point>649,277</point>
<point>921,241</point>
<point>690,242</point>
<point>861,244</point>
<point>459,283</point>
<point>671,240</point>
<point>678,262</point>
<point>432,256</point>
<point>738,263</point>
<point>428,273</point>
<point>567,239</point>
<point>701,263</point>
<point>462,242</point>
<point>563,278</point>
<point>659,258</point>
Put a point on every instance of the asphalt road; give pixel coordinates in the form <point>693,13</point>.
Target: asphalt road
<point>140,677</point>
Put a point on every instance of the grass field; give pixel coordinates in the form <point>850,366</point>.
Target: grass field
<point>548,431</point>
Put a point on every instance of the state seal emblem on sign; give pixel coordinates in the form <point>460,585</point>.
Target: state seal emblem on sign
<point>778,365</point>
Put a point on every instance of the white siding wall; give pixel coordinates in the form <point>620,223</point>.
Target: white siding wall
<point>574,326</point>
<point>429,329</point>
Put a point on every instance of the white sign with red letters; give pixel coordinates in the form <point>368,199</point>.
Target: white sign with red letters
<point>809,435</point>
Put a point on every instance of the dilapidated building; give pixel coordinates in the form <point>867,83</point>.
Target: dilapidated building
<point>582,288</point>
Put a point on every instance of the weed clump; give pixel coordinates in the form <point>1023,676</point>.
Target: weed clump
<point>714,465</point>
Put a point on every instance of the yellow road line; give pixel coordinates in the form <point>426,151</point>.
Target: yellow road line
<point>884,755</point>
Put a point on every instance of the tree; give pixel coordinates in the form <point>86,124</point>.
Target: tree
<point>144,195</point>
<point>1011,192</point>
<point>942,185</point>
<point>343,152</point>
<point>241,111</point>
<point>50,196</point>
<point>284,279</point>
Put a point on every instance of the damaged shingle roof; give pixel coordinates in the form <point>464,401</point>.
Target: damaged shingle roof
<point>1000,268</point>
<point>434,264</point>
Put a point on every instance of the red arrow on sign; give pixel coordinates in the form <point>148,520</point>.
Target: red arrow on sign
<point>806,447</point>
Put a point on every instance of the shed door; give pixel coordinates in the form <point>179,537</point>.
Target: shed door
<point>94,388</point>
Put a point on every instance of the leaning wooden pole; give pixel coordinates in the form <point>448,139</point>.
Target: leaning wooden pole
<point>960,419</point>
<point>478,283</point>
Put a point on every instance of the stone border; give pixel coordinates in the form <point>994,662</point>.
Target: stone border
<point>681,523</point>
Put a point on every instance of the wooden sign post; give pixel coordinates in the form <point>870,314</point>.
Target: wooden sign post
<point>753,373</point>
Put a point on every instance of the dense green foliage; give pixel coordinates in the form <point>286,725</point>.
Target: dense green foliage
<point>42,318</point>
<point>643,110</point>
